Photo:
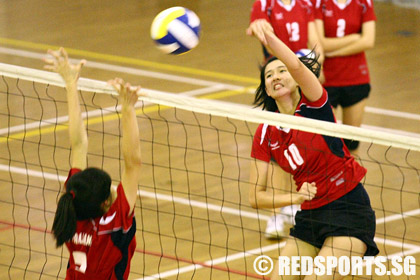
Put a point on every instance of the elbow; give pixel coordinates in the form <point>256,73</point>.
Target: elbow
<point>133,162</point>
<point>136,162</point>
<point>80,142</point>
<point>369,44</point>
<point>253,204</point>
<point>253,201</point>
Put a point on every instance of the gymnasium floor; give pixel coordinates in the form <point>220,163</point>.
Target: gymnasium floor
<point>114,37</point>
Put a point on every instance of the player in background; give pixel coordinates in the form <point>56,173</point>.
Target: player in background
<point>93,220</point>
<point>346,29</point>
<point>336,217</point>
<point>293,22</point>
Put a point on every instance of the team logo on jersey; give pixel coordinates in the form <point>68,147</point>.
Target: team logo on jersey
<point>328,13</point>
<point>274,146</point>
<point>279,16</point>
<point>107,220</point>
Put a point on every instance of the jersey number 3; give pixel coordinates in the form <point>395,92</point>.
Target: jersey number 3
<point>80,260</point>
<point>293,156</point>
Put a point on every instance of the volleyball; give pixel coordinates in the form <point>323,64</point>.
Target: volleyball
<point>305,52</point>
<point>176,30</point>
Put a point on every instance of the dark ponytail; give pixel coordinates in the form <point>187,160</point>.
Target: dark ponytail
<point>86,192</point>
<point>64,226</point>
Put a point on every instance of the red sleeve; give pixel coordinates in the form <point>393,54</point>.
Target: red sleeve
<point>259,11</point>
<point>260,148</point>
<point>311,10</point>
<point>317,9</point>
<point>118,216</point>
<point>318,103</point>
<point>368,13</point>
<point>71,173</point>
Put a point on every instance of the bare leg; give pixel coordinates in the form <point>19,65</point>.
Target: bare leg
<point>353,115</point>
<point>294,247</point>
<point>338,246</point>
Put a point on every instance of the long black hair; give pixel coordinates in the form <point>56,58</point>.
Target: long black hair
<point>85,193</point>
<point>310,60</point>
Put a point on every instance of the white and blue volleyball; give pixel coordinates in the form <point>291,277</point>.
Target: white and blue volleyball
<point>176,30</point>
<point>305,52</point>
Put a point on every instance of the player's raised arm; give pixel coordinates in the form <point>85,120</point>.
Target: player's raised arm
<point>77,131</point>
<point>130,139</point>
<point>306,79</point>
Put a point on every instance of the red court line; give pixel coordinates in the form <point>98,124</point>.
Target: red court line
<point>6,227</point>
<point>216,267</point>
<point>13,225</point>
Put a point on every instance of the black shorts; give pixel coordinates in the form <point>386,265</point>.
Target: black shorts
<point>348,95</point>
<point>350,215</point>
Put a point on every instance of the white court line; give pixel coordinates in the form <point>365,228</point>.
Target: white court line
<point>413,249</point>
<point>390,130</point>
<point>253,252</point>
<point>175,199</point>
<point>204,205</point>
<point>193,81</point>
<point>63,119</point>
<point>395,217</point>
<point>392,113</point>
<point>55,121</point>
<point>123,69</point>
<point>98,112</point>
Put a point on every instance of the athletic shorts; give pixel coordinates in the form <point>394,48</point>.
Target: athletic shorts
<point>350,215</point>
<point>348,95</point>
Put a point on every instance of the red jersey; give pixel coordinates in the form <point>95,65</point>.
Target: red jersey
<point>102,248</point>
<point>290,22</point>
<point>340,20</point>
<point>310,157</point>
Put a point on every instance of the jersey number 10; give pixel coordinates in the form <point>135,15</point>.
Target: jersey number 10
<point>293,156</point>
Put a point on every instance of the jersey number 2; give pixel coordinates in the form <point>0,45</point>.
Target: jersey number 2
<point>80,260</point>
<point>341,27</point>
<point>293,156</point>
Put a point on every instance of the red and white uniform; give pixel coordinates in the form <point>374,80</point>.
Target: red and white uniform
<point>290,22</point>
<point>102,248</point>
<point>310,157</point>
<point>340,20</point>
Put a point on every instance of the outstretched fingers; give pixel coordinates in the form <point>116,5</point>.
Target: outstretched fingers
<point>128,94</point>
<point>60,63</point>
<point>258,28</point>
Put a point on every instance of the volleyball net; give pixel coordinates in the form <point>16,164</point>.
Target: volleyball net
<point>194,220</point>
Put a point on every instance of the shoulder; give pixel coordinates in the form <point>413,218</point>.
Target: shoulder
<point>71,173</point>
<point>117,217</point>
<point>321,102</point>
<point>260,5</point>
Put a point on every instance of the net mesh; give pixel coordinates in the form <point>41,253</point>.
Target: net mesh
<point>194,220</point>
